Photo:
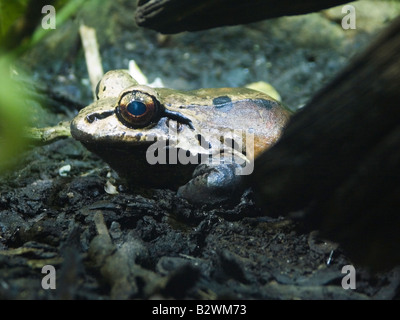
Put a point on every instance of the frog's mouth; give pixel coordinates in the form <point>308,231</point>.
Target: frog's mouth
<point>102,128</point>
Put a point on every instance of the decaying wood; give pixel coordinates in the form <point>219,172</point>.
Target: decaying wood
<point>173,16</point>
<point>339,158</point>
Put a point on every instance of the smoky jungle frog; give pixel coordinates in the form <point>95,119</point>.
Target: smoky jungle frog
<point>198,142</point>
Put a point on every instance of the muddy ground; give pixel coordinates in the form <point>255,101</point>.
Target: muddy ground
<point>150,243</point>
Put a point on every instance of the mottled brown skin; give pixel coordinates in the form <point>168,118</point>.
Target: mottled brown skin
<point>209,113</point>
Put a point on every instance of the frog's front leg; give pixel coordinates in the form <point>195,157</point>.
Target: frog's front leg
<point>213,184</point>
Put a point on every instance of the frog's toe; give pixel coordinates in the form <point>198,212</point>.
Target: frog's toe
<point>213,184</point>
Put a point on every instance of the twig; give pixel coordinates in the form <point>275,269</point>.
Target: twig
<point>92,56</point>
<point>43,136</point>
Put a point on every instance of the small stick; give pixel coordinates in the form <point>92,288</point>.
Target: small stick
<point>92,56</point>
<point>101,227</point>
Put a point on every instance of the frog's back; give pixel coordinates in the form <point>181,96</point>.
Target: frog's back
<point>227,109</point>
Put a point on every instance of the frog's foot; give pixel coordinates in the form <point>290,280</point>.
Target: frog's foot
<point>213,184</point>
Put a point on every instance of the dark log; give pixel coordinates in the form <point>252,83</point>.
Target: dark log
<point>173,16</point>
<point>339,158</point>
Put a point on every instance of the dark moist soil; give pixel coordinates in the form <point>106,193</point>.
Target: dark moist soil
<point>150,243</point>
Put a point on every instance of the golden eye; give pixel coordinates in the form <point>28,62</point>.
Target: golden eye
<point>137,109</point>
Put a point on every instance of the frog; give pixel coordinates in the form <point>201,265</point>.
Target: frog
<point>199,143</point>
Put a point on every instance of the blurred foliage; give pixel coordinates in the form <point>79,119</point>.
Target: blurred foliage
<point>20,29</point>
<point>13,117</point>
<point>10,11</point>
<point>20,21</point>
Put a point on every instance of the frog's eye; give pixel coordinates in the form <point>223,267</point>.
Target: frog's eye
<point>137,109</point>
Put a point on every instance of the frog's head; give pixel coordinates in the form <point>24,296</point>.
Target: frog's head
<point>124,115</point>
<point>124,121</point>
